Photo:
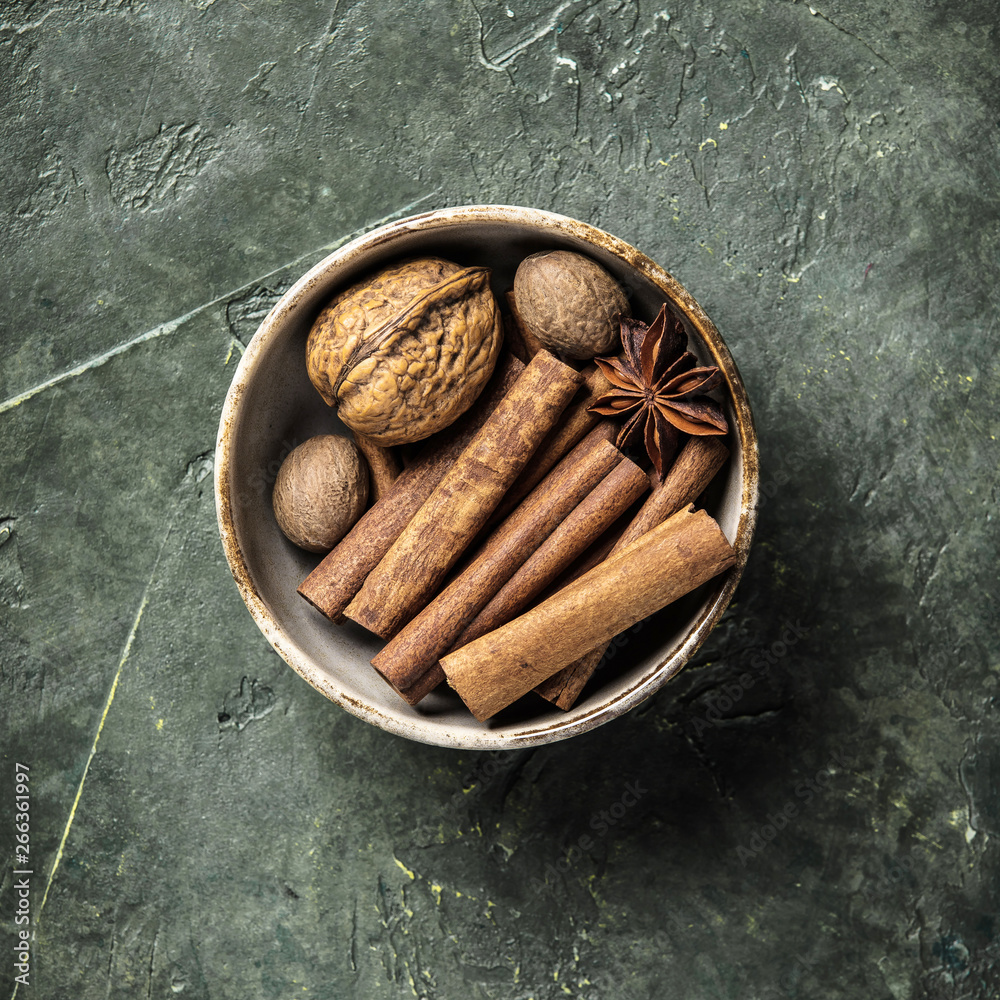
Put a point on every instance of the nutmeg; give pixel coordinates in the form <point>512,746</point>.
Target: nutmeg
<point>320,491</point>
<point>570,303</point>
<point>405,352</point>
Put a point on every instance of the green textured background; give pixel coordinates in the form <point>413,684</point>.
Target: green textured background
<point>205,825</point>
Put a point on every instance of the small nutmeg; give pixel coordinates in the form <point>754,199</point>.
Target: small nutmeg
<point>320,491</point>
<point>570,303</point>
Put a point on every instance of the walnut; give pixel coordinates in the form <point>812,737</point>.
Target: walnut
<point>320,491</point>
<point>404,352</point>
<point>570,303</point>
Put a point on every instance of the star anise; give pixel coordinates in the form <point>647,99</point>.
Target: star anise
<point>658,383</point>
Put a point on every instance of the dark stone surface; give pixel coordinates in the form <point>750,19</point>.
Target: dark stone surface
<point>204,824</point>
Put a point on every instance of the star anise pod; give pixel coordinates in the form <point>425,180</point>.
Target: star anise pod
<point>658,383</point>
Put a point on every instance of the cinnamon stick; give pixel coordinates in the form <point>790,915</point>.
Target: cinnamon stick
<point>616,492</point>
<point>411,571</point>
<point>522,342</point>
<point>693,469</point>
<point>562,689</point>
<point>333,584</point>
<point>435,675</point>
<point>383,465</point>
<point>663,565</point>
<point>423,687</point>
<point>573,426</point>
<point>415,649</point>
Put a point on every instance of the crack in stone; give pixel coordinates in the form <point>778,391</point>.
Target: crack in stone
<point>850,34</point>
<point>171,326</point>
<point>320,46</point>
<point>126,652</point>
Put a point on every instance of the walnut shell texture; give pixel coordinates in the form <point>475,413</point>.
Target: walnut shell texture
<point>405,352</point>
<point>570,303</point>
<point>320,491</point>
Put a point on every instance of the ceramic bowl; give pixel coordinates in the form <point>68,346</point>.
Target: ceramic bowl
<point>271,407</point>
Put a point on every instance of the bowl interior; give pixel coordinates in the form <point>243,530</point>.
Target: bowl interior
<point>272,407</point>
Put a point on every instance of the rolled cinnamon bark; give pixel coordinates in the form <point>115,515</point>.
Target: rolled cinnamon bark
<point>574,425</point>
<point>563,688</point>
<point>694,468</point>
<point>415,649</point>
<point>609,499</point>
<point>523,343</point>
<point>409,574</point>
<point>661,566</point>
<point>333,584</point>
<point>383,465</point>
<point>425,685</point>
